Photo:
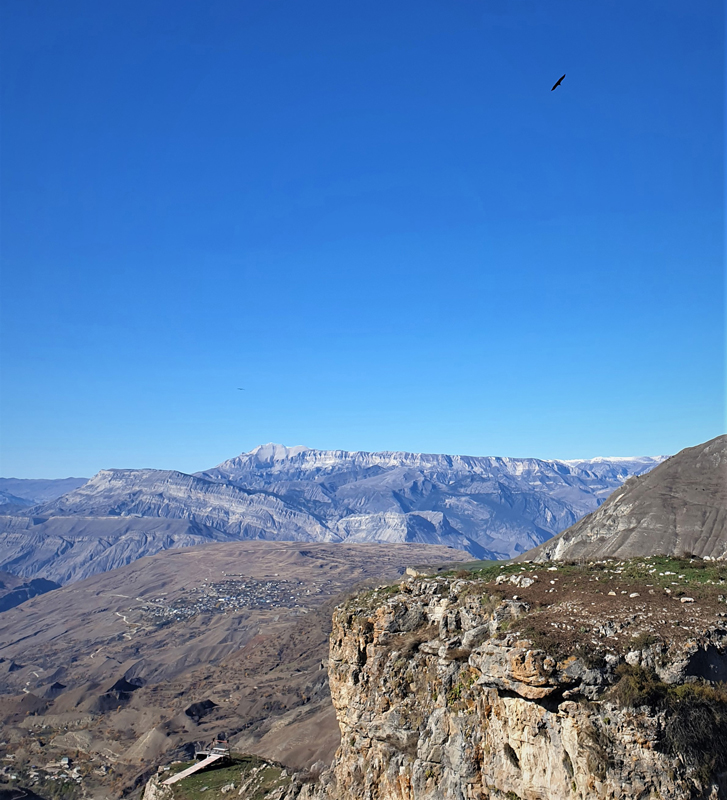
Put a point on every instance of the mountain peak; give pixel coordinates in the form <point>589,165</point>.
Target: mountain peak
<point>277,452</point>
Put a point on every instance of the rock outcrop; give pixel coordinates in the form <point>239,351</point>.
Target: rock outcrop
<point>440,694</point>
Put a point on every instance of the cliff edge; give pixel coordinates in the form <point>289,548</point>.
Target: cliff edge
<point>523,682</point>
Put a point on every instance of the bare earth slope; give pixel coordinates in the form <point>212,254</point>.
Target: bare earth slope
<point>127,669</point>
<point>65,549</point>
<point>679,507</point>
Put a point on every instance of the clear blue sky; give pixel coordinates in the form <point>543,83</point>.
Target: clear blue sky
<point>374,216</point>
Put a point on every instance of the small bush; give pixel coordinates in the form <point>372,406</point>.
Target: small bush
<point>455,693</point>
<point>696,727</point>
<point>591,656</point>
<point>643,640</point>
<point>638,687</point>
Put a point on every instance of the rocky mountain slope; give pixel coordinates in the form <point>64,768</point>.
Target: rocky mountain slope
<point>574,683</point>
<point>490,507</point>
<point>66,549</point>
<point>501,504</point>
<point>14,590</point>
<point>126,670</point>
<point>679,507</point>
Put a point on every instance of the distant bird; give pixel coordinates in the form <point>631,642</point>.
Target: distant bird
<point>240,389</point>
<point>558,83</point>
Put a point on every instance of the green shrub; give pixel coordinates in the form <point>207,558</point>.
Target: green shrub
<point>638,687</point>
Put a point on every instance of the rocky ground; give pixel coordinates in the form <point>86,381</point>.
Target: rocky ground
<point>606,607</point>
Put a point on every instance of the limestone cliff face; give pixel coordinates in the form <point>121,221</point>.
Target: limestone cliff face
<point>437,700</point>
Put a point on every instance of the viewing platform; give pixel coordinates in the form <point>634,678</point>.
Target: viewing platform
<point>217,752</point>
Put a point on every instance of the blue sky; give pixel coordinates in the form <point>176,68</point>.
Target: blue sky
<point>375,217</point>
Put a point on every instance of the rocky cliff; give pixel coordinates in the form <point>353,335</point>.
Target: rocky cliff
<point>597,682</point>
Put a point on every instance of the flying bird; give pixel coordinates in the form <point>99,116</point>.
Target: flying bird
<point>240,389</point>
<point>558,82</point>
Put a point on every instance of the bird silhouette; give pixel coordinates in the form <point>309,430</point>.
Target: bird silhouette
<point>558,82</point>
<point>240,389</point>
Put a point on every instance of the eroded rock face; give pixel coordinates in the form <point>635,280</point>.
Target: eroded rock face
<point>435,699</point>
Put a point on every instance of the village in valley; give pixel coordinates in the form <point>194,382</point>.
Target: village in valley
<point>234,593</point>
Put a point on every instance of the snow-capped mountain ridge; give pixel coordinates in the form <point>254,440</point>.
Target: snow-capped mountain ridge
<point>307,457</point>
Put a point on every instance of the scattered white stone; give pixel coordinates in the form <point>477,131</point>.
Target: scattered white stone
<point>228,788</point>
<point>687,599</point>
<point>634,594</point>
<point>552,569</point>
<point>523,581</point>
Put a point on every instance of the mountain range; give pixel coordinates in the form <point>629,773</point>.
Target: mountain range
<point>491,507</point>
